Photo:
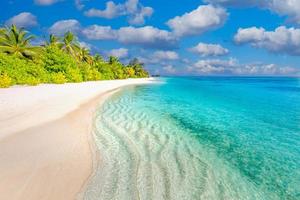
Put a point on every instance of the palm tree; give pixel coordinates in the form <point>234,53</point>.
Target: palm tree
<point>98,58</point>
<point>84,55</point>
<point>70,44</point>
<point>2,31</point>
<point>113,59</point>
<point>17,42</point>
<point>54,41</point>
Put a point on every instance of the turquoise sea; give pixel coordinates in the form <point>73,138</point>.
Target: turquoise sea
<point>200,138</point>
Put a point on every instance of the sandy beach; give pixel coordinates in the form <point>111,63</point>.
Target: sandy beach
<point>46,150</point>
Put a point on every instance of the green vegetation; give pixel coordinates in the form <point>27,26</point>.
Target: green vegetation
<point>60,60</point>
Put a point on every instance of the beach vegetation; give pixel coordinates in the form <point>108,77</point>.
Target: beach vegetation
<point>5,80</point>
<point>58,78</point>
<point>15,41</point>
<point>59,60</point>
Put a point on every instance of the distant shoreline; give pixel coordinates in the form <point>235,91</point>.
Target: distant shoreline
<point>45,150</point>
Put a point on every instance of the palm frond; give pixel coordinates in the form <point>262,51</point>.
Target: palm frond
<point>16,41</point>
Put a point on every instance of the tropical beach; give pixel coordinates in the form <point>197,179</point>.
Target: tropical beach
<point>150,100</point>
<point>46,144</point>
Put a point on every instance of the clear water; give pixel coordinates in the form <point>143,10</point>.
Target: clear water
<point>200,138</point>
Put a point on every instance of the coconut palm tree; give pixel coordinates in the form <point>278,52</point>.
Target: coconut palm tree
<point>113,59</point>
<point>54,41</point>
<point>70,44</point>
<point>97,58</point>
<point>2,31</point>
<point>84,55</point>
<point>17,42</point>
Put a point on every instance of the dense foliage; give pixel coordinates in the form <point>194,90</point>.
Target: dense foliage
<point>60,60</point>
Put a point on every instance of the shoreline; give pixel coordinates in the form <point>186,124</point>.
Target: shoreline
<point>55,157</point>
<point>94,104</point>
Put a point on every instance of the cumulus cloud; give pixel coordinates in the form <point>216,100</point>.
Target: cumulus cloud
<point>62,26</point>
<point>138,18</point>
<point>169,69</point>
<point>135,11</point>
<point>79,5</point>
<point>85,45</point>
<point>120,53</point>
<point>96,32</point>
<point>281,40</point>
<point>45,2</point>
<point>165,55</point>
<point>147,36</point>
<point>24,19</point>
<point>160,57</point>
<point>204,18</point>
<point>232,66</point>
<point>213,66</point>
<point>112,10</point>
<point>209,50</point>
<point>288,8</point>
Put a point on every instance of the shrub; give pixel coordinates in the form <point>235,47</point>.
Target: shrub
<point>105,70</point>
<point>58,78</point>
<point>55,60</point>
<point>89,73</point>
<point>73,75</point>
<point>22,71</point>
<point>32,81</point>
<point>5,80</point>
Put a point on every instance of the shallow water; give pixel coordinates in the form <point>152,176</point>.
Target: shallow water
<point>200,138</point>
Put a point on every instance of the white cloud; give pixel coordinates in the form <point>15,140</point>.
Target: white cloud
<point>209,50</point>
<point>160,58</point>
<point>288,8</point>
<point>24,19</point>
<point>131,5</point>
<point>85,45</point>
<point>213,66</point>
<point>147,36</point>
<point>169,69</point>
<point>45,2</point>
<point>112,10</point>
<point>135,11</point>
<point>232,66</point>
<point>62,26</point>
<point>120,53</point>
<point>79,5</point>
<point>96,32</point>
<point>204,18</point>
<point>165,55</point>
<point>281,40</point>
<point>139,17</point>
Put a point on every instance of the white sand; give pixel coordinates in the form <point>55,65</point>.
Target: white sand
<point>45,145</point>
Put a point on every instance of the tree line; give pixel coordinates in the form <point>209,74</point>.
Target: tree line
<point>58,60</point>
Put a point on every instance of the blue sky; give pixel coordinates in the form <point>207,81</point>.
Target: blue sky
<point>191,37</point>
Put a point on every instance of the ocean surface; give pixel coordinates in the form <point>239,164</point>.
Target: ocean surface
<point>200,138</point>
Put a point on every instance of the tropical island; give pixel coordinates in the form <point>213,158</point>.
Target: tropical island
<point>59,60</point>
<point>48,97</point>
<point>81,118</point>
